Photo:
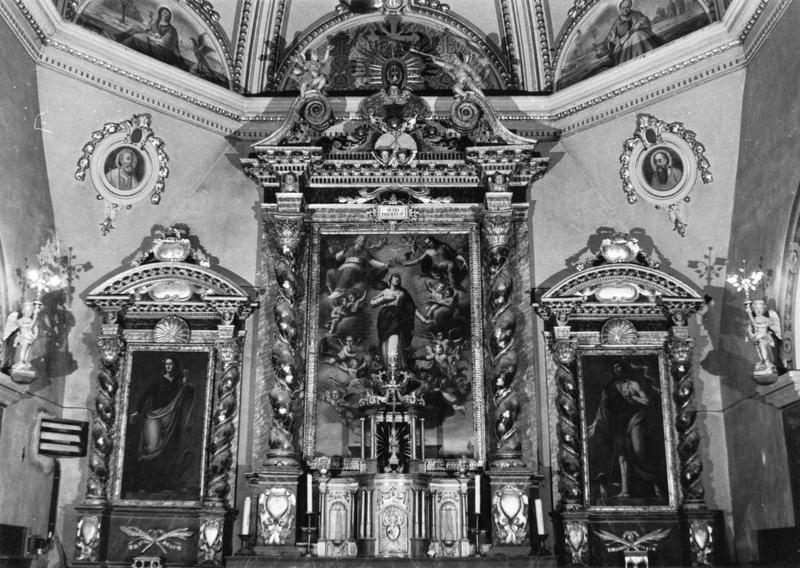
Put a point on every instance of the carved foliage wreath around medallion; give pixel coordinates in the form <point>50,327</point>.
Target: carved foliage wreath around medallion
<point>660,164</point>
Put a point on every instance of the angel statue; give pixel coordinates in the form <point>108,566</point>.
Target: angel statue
<point>765,331</point>
<point>465,78</point>
<point>20,332</point>
<point>312,70</point>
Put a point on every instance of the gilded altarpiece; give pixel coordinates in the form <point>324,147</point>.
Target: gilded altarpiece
<point>625,439</point>
<point>164,431</point>
<point>395,266</point>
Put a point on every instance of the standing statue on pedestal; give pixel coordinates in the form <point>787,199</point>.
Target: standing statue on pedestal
<point>765,331</point>
<point>20,332</point>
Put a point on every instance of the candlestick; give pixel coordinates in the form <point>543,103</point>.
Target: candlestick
<point>477,493</point>
<point>309,493</point>
<point>246,516</point>
<point>539,517</point>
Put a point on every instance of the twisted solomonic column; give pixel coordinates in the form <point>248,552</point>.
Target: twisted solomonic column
<point>506,450</point>
<point>223,427</point>
<point>570,482</point>
<point>285,396</point>
<point>111,350</point>
<point>679,350</point>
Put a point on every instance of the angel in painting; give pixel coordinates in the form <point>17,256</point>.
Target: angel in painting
<point>343,307</point>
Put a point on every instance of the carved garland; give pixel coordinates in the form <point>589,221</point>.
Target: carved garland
<point>111,349</point>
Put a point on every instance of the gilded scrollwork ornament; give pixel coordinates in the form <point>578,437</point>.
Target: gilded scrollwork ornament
<point>87,538</point>
<point>276,512</point>
<point>111,349</point>
<point>701,542</point>
<point>210,541</point>
<point>576,540</point>
<point>510,515</point>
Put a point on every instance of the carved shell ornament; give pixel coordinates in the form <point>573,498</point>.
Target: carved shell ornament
<point>171,330</point>
<point>660,164</point>
<point>126,164</point>
<point>618,332</point>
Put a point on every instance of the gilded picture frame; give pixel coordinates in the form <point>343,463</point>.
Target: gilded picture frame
<point>445,351</point>
<point>627,424</point>
<point>163,424</point>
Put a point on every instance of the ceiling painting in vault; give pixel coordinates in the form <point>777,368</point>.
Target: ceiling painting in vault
<point>168,32</point>
<point>613,32</point>
<point>355,50</point>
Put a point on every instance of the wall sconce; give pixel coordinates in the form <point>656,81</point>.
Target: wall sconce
<point>764,329</point>
<point>22,327</point>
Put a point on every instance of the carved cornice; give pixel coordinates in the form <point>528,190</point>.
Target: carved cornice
<point>632,291</point>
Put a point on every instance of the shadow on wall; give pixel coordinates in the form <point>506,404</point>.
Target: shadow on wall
<point>589,255</point>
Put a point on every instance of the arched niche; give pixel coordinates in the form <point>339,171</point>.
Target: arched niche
<point>359,41</point>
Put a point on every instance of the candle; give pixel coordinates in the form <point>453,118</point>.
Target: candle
<point>539,517</point>
<point>309,493</point>
<point>477,493</point>
<point>246,517</point>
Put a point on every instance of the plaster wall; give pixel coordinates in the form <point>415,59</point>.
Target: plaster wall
<point>26,220</point>
<point>767,179</point>
<point>580,201</point>
<point>205,191</point>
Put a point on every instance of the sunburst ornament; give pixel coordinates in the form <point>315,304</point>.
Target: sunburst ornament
<point>618,332</point>
<point>372,65</point>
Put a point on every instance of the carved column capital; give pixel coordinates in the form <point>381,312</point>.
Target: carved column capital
<point>288,230</point>
<point>229,350</point>
<point>111,347</point>
<point>679,350</point>
<point>564,350</point>
<point>496,230</point>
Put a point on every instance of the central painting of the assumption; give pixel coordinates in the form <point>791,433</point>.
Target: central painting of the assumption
<point>394,303</point>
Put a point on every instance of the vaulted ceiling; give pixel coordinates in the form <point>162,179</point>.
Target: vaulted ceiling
<point>551,68</point>
<point>253,46</point>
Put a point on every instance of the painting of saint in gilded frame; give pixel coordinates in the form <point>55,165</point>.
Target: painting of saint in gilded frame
<point>395,298</point>
<point>613,32</point>
<point>164,424</point>
<point>628,433</point>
